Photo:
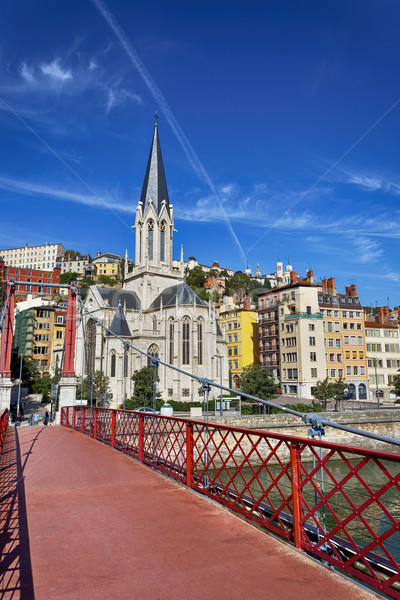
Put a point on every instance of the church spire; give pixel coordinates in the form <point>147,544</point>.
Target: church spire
<point>155,185</point>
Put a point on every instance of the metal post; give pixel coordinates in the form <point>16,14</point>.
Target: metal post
<point>189,454</point>
<point>221,410</point>
<point>19,385</point>
<point>154,364</point>
<point>377,388</point>
<point>105,374</point>
<point>125,370</point>
<point>296,493</point>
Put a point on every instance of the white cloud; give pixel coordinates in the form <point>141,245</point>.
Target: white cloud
<point>27,73</point>
<point>369,250</point>
<point>29,188</point>
<point>55,70</point>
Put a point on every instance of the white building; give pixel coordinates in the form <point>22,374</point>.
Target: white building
<point>33,257</point>
<point>156,310</point>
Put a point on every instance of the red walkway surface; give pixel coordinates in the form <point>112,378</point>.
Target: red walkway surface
<point>82,521</point>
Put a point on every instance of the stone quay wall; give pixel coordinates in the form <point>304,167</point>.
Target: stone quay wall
<point>386,423</point>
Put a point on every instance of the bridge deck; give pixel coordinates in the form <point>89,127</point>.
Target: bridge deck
<point>81,521</point>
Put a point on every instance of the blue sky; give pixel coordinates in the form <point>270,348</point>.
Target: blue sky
<point>279,126</point>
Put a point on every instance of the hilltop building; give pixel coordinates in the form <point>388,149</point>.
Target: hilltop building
<point>33,257</point>
<point>37,280</point>
<point>156,310</point>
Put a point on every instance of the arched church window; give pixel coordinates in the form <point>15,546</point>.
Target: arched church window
<point>151,351</point>
<point>200,333</point>
<point>162,240</point>
<point>185,341</point>
<point>150,238</point>
<point>171,340</point>
<point>90,340</point>
<point>113,363</point>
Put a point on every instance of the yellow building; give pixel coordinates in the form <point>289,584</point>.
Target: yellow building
<point>240,329</point>
<point>107,264</point>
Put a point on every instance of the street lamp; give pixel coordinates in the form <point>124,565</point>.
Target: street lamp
<point>221,410</point>
<point>376,381</point>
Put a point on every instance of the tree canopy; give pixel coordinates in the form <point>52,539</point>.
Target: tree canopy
<point>258,381</point>
<point>396,387</point>
<point>143,390</point>
<point>99,389</point>
<point>68,277</point>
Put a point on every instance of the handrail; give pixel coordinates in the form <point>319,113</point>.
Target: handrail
<point>286,484</point>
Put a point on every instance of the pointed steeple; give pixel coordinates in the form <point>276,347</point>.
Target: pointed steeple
<point>155,185</point>
<point>119,326</point>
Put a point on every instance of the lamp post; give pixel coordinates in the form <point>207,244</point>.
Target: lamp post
<point>221,409</point>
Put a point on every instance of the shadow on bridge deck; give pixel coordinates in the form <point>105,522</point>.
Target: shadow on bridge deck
<point>81,521</point>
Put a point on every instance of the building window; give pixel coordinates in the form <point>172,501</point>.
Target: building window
<point>113,362</point>
<point>312,341</point>
<point>152,352</point>
<point>200,340</point>
<point>185,392</point>
<point>171,341</point>
<point>313,372</point>
<point>150,238</point>
<point>170,392</point>
<point>185,341</point>
<point>162,240</point>
<point>333,373</point>
<point>313,356</point>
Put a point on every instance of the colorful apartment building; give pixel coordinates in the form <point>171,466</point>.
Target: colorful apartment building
<point>38,280</point>
<point>239,325</point>
<point>81,264</point>
<point>39,330</point>
<point>383,352</point>
<point>291,337</point>
<point>344,337</point>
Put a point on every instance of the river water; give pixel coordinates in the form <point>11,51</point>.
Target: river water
<point>370,479</point>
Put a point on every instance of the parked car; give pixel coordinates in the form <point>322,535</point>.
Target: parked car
<point>146,409</point>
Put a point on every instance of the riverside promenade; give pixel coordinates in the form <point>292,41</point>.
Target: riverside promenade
<point>80,520</point>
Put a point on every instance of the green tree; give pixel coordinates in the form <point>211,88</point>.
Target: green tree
<point>240,284</point>
<point>258,381</point>
<point>42,385</point>
<point>143,390</point>
<point>72,253</point>
<point>339,389</point>
<point>29,370</point>
<point>99,389</point>
<point>324,391</point>
<point>68,277</point>
<point>195,277</point>
<point>396,387</point>
<point>107,280</point>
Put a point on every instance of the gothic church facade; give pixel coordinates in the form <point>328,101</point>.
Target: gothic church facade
<point>156,311</point>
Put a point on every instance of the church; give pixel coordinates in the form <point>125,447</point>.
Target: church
<point>156,311</point>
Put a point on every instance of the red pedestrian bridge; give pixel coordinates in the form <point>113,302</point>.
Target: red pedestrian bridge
<point>116,504</point>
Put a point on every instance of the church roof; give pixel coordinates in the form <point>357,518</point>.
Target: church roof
<point>181,292</point>
<point>113,298</point>
<point>119,326</point>
<point>155,184</point>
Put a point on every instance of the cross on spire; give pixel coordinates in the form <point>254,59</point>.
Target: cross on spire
<point>156,117</point>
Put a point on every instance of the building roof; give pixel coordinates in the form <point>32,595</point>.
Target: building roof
<point>119,326</point>
<point>181,293</point>
<point>114,297</point>
<point>383,325</point>
<point>155,185</point>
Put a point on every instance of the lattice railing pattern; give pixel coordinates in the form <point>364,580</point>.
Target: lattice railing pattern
<point>339,503</point>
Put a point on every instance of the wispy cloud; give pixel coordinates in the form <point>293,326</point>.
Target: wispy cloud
<point>369,250</point>
<point>29,188</point>
<point>55,70</point>
<point>367,182</point>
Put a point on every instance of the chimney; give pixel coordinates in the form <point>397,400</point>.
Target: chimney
<point>351,290</point>
<point>294,277</point>
<point>310,276</point>
<point>331,285</point>
<point>247,304</point>
<point>279,282</point>
<point>324,284</point>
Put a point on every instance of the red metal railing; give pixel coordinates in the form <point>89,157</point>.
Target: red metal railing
<point>3,425</point>
<point>339,503</point>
